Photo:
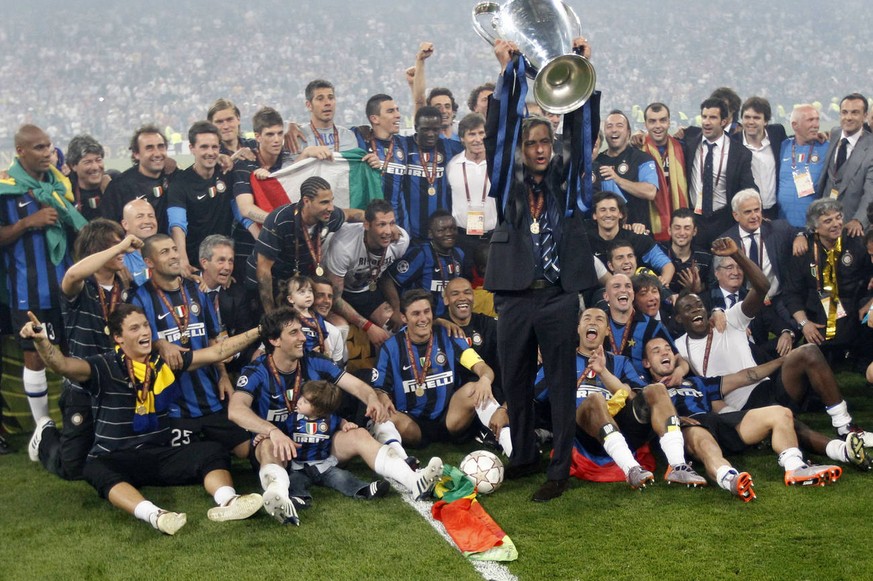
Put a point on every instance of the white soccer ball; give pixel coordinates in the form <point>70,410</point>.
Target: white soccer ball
<point>484,469</point>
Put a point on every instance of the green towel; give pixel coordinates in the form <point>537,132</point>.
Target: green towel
<point>49,194</point>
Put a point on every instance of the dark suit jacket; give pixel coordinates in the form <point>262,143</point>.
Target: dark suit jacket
<point>854,181</point>
<point>737,171</point>
<point>511,261</point>
<point>778,236</point>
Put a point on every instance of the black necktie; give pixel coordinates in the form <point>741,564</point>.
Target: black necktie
<point>753,249</point>
<point>841,154</point>
<point>707,180</point>
<point>733,299</point>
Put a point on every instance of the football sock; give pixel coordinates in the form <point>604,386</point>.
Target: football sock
<point>275,476</point>
<point>148,512</point>
<point>505,439</point>
<point>223,495</point>
<point>36,388</point>
<point>723,474</point>
<point>836,450</point>
<point>791,459</point>
<point>673,445</point>
<point>389,463</point>
<point>840,418</point>
<point>387,433</point>
<point>484,414</point>
<point>616,446</point>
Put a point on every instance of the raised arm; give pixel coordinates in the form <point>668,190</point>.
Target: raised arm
<point>72,368</point>
<point>224,349</point>
<point>74,279</point>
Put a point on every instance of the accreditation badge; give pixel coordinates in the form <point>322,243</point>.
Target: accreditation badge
<point>835,194</point>
<point>475,222</point>
<point>803,183</point>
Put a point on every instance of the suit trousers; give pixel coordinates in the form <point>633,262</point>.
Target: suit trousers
<point>546,318</point>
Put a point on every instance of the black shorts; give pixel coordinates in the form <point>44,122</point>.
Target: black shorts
<point>155,466</point>
<point>214,427</point>
<point>52,320</point>
<point>437,431</point>
<point>723,428</point>
<point>771,391</point>
<point>635,433</point>
<point>366,302</point>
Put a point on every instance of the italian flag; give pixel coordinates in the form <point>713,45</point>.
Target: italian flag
<point>354,183</point>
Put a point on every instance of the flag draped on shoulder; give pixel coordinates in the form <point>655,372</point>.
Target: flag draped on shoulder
<point>353,181</point>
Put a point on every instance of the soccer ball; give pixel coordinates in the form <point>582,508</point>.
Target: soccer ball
<point>484,469</point>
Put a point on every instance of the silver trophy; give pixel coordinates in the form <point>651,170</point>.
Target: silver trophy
<point>544,31</point>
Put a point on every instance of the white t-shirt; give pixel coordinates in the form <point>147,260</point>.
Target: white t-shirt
<point>730,353</point>
<point>477,184</point>
<point>348,257</point>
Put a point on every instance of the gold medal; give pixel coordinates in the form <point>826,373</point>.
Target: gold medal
<point>184,339</point>
<point>141,410</point>
<point>106,329</point>
<point>431,191</point>
<point>534,227</point>
<point>419,391</point>
<point>319,270</point>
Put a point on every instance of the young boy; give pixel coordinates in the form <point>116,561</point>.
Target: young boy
<point>313,426</point>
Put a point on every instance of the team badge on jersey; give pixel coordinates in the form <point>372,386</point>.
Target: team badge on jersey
<point>623,168</point>
<point>242,381</point>
<point>220,186</point>
<point>375,377</point>
<point>441,358</point>
<point>440,157</point>
<point>195,308</point>
<point>157,191</point>
<point>398,154</point>
<point>477,338</point>
<point>813,158</point>
<point>212,191</point>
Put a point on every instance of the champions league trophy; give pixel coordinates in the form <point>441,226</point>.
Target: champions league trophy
<point>544,31</point>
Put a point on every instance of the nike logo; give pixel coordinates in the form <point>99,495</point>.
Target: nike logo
<point>407,367</point>
<point>164,316</point>
<point>22,204</point>
<point>201,197</point>
<point>275,396</point>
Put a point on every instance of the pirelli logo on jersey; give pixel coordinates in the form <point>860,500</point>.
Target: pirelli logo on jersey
<point>684,392</point>
<point>419,172</point>
<point>173,334</point>
<point>277,416</point>
<point>309,438</point>
<point>397,169</point>
<point>432,382</point>
<point>584,391</point>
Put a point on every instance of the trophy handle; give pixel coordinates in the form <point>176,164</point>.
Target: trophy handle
<point>489,9</point>
<point>574,20</point>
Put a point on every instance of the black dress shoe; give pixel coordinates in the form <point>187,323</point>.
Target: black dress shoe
<point>521,470</point>
<point>551,489</point>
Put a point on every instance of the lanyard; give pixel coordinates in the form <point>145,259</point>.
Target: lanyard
<point>467,186</point>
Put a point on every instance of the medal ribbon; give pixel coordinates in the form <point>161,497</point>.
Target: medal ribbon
<point>430,175</point>
<point>420,376</point>
<point>290,394</point>
<point>375,272</point>
<point>114,297</point>
<point>321,141</point>
<point>181,322</point>
<point>618,349</point>
<point>313,322</point>
<point>705,352</point>
<point>388,153</point>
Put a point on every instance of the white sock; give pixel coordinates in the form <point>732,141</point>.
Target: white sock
<point>722,476</point>
<point>840,417</point>
<point>387,433</point>
<point>389,463</point>
<point>505,439</point>
<point>274,475</point>
<point>836,450</point>
<point>791,459</point>
<point>36,388</point>
<point>485,412</point>
<point>223,495</point>
<point>147,512</point>
<point>673,445</point>
<point>616,446</point>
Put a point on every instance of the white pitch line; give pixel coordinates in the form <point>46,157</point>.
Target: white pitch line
<point>489,570</point>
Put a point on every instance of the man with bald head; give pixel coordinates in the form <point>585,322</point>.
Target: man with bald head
<point>138,219</point>
<point>802,161</point>
<point>37,225</point>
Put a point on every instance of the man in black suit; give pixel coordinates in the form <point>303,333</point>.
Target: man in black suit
<point>768,243</point>
<point>848,173</point>
<point>764,140</point>
<point>718,169</point>
<point>235,307</point>
<point>538,262</point>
